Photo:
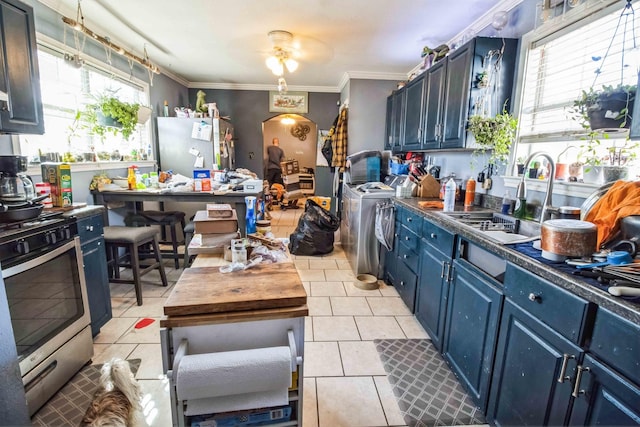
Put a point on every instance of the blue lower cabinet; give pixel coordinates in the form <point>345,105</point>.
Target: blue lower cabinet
<point>603,397</point>
<point>94,257</point>
<point>406,285</point>
<point>532,377</point>
<point>471,328</point>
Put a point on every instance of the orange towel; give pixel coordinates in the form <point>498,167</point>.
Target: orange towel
<point>622,200</point>
<point>431,205</point>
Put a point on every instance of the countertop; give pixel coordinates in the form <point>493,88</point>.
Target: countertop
<point>626,309</point>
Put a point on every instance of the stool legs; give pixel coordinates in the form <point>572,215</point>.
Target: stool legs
<point>135,270</point>
<point>158,255</point>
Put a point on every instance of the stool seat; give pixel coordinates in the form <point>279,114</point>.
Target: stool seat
<point>166,217</point>
<point>132,239</point>
<point>171,219</point>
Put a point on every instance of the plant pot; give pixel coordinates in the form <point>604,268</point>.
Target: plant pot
<point>562,170</point>
<point>575,171</point>
<point>107,121</point>
<point>144,113</point>
<point>520,169</point>
<point>614,173</point>
<point>605,114</point>
<point>593,175</point>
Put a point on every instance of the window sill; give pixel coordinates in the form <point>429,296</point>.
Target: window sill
<point>97,167</point>
<point>575,189</point>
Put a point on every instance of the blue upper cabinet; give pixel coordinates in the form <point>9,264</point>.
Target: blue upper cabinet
<point>20,99</point>
<point>413,114</point>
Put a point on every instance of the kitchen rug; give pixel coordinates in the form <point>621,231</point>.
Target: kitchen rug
<point>426,390</point>
<point>68,405</point>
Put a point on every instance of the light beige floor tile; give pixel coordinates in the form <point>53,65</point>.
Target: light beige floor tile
<point>360,358</point>
<point>307,288</point>
<point>378,327</point>
<point>302,264</point>
<point>335,328</point>
<point>309,403</point>
<point>120,289</point>
<point>308,328</point>
<point>341,275</point>
<point>151,366</point>
<point>312,275</point>
<point>147,335</point>
<point>354,291</point>
<point>153,290</point>
<point>411,327</point>
<point>102,353</point>
<point>389,402</point>
<point>343,264</point>
<point>121,304</point>
<point>388,306</point>
<point>113,330</point>
<point>320,264</point>
<point>319,306</point>
<point>388,291</point>
<point>156,404</point>
<point>327,289</point>
<point>350,306</point>
<point>349,402</point>
<point>151,307</point>
<point>322,359</point>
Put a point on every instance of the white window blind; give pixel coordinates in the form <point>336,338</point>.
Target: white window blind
<point>559,68</point>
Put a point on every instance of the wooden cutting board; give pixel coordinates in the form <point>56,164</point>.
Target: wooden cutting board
<point>206,290</point>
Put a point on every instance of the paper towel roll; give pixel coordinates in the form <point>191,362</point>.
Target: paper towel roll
<point>237,402</point>
<point>228,373</point>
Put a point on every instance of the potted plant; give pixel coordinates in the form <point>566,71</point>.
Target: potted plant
<point>109,114</point>
<point>494,135</point>
<point>605,110</point>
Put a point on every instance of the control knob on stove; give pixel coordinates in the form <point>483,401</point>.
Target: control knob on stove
<point>22,247</point>
<point>64,233</point>
<point>51,237</point>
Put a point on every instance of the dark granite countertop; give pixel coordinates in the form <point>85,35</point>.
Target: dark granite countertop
<point>84,211</point>
<point>625,308</point>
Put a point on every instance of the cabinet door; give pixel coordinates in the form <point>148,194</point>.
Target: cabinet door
<point>388,131</point>
<point>21,108</point>
<point>604,397</point>
<point>529,359</point>
<point>434,99</point>
<point>456,99</point>
<point>95,266</point>
<point>391,260</point>
<point>471,328</point>
<point>412,133</point>
<point>397,112</point>
<point>433,286</point>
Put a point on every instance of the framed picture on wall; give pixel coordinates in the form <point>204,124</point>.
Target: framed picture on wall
<point>290,102</point>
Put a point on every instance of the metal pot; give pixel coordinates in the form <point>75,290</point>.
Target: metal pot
<point>20,214</point>
<point>567,238</point>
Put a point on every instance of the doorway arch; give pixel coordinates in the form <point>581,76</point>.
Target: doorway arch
<point>295,143</point>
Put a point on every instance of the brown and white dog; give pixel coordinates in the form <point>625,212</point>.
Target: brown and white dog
<point>117,401</point>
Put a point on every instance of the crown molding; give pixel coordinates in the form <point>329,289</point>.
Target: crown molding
<point>259,87</point>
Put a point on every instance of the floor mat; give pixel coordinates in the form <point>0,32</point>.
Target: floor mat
<point>68,405</point>
<point>426,390</point>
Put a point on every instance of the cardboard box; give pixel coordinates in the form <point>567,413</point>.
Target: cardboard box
<point>58,175</point>
<point>290,167</point>
<point>205,225</point>
<point>252,185</point>
<point>291,179</point>
<point>219,210</point>
<point>292,187</point>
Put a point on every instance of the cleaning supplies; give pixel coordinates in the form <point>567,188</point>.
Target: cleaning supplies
<point>251,214</point>
<point>470,192</point>
<point>506,203</point>
<point>450,195</point>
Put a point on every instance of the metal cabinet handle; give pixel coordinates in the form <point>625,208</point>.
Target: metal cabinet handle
<point>576,388</point>
<point>401,282</point>
<point>534,298</point>
<point>407,238</point>
<point>405,256</point>
<point>442,271</point>
<point>409,219</point>
<point>89,227</point>
<point>433,235</point>
<point>563,370</point>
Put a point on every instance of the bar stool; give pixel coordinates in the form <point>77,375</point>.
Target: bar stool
<point>171,219</point>
<point>132,239</point>
<point>189,231</point>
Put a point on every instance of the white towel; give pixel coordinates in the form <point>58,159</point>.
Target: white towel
<point>237,402</point>
<point>203,376</point>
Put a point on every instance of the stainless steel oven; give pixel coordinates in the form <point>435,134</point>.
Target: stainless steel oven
<point>45,285</point>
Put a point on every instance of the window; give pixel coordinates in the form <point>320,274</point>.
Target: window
<point>561,65</point>
<point>66,90</point>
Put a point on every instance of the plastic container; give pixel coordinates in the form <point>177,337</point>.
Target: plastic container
<point>238,251</point>
<point>470,192</point>
<point>251,214</point>
<point>450,195</point>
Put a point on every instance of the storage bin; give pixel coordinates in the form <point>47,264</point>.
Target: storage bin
<point>323,202</point>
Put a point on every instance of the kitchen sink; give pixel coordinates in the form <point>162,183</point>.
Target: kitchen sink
<point>499,227</point>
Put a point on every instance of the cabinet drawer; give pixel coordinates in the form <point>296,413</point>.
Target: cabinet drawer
<point>90,227</point>
<point>409,256</point>
<point>560,309</point>
<point>616,341</point>
<point>438,237</point>
<point>406,285</point>
<point>412,220</point>
<point>409,238</point>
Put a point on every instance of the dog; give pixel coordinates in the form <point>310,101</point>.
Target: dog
<point>117,401</point>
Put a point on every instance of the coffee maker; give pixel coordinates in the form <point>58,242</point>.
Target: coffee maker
<point>15,185</point>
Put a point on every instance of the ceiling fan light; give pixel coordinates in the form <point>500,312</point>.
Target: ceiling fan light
<point>271,62</point>
<point>278,69</point>
<point>291,64</point>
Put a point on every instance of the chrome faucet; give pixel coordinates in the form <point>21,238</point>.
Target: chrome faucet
<point>521,191</point>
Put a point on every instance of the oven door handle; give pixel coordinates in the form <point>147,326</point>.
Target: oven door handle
<point>48,256</point>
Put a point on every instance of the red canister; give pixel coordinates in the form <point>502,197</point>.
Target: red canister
<point>45,188</point>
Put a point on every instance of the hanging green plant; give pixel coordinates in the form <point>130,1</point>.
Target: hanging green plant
<point>494,135</point>
<point>110,115</point>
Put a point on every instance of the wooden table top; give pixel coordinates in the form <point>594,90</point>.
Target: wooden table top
<point>205,290</point>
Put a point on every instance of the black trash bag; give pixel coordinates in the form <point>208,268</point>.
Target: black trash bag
<point>314,234</point>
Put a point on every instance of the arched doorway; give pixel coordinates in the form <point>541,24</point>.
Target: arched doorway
<point>298,139</point>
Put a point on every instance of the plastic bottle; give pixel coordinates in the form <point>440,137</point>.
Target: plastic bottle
<point>153,179</point>
<point>450,195</point>
<point>251,214</point>
<point>506,203</point>
<point>131,179</point>
<point>470,192</point>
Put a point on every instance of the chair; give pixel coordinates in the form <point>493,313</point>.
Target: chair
<point>171,219</point>
<point>132,239</point>
<point>189,231</point>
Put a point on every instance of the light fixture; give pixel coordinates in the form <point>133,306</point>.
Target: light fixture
<point>287,120</point>
<point>78,25</point>
<point>281,57</point>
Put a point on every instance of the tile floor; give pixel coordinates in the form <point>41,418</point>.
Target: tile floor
<point>344,384</point>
